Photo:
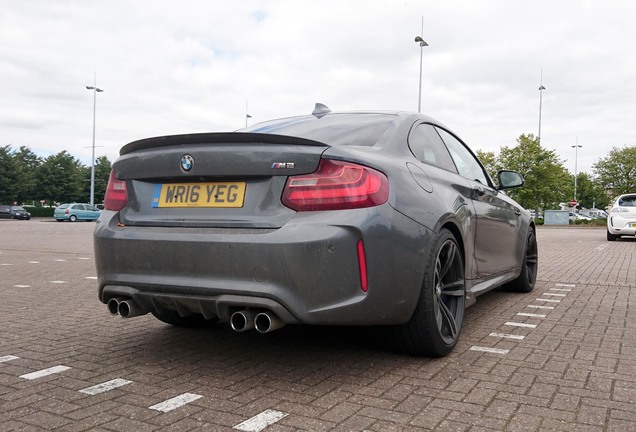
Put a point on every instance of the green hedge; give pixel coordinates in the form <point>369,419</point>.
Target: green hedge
<point>40,211</point>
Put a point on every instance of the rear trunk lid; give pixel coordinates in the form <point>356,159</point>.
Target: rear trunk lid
<point>216,180</point>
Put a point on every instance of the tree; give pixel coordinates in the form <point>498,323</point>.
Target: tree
<point>617,171</point>
<point>102,173</point>
<point>27,164</point>
<point>590,193</point>
<point>8,173</point>
<point>60,178</point>
<point>489,161</point>
<point>547,182</point>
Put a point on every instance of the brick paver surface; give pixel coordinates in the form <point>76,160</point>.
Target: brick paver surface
<point>567,363</point>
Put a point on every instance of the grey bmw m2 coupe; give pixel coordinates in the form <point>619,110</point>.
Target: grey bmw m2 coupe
<point>356,218</point>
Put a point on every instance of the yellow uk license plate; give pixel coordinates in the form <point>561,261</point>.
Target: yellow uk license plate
<point>216,194</point>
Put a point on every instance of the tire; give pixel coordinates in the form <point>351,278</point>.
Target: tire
<point>611,237</point>
<point>72,218</point>
<point>434,328</point>
<point>529,267</point>
<point>173,318</point>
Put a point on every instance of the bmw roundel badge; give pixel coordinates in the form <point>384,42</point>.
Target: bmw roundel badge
<point>187,163</point>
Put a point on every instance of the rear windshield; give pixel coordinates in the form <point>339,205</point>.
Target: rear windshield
<point>627,201</point>
<point>333,129</point>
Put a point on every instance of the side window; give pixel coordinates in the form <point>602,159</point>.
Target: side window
<point>427,146</point>
<point>80,207</point>
<point>466,163</point>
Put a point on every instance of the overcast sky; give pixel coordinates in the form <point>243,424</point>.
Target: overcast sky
<point>171,67</point>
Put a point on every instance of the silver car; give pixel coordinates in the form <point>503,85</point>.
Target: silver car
<point>361,218</point>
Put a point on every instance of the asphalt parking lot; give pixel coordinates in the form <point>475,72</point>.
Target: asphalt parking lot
<point>562,358</point>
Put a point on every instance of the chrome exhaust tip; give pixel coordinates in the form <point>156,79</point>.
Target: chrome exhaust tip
<point>242,320</point>
<point>266,322</point>
<point>113,305</point>
<point>129,309</point>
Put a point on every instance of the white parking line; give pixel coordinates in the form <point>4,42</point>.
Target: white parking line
<point>540,307</point>
<point>45,372</point>
<point>60,260</point>
<point>8,358</point>
<point>547,300</point>
<point>58,282</point>
<point>565,285</point>
<point>175,402</point>
<point>83,258</point>
<point>531,315</point>
<point>91,277</point>
<point>489,350</point>
<point>34,262</point>
<point>561,289</point>
<point>554,295</point>
<point>104,387</point>
<point>516,324</point>
<point>6,264</point>
<point>507,336</point>
<point>22,286</point>
<point>261,421</point>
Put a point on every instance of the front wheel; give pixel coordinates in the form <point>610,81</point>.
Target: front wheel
<point>610,236</point>
<point>528,276</point>
<point>434,328</point>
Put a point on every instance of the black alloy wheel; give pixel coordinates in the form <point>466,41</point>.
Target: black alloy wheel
<point>436,323</point>
<point>529,267</point>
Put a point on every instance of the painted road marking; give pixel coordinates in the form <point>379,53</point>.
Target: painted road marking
<point>540,307</point>
<point>58,282</point>
<point>516,324</point>
<point>601,247</point>
<point>531,315</point>
<point>91,277</point>
<point>60,260</point>
<point>22,286</point>
<point>8,358</point>
<point>45,372</point>
<point>261,421</point>
<point>104,387</point>
<point>175,402</point>
<point>34,262</point>
<point>489,350</point>
<point>507,336</point>
<point>83,258</point>
<point>561,289</point>
<point>548,300</point>
<point>565,285</point>
<point>6,264</point>
<point>554,295</point>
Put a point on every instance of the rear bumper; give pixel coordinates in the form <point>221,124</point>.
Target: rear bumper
<point>618,225</point>
<point>306,271</point>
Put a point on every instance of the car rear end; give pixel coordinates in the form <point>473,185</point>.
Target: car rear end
<point>622,216</point>
<point>62,212</point>
<point>220,224</point>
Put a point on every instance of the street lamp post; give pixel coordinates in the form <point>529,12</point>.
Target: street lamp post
<point>422,43</point>
<point>95,90</point>
<point>576,148</point>
<point>541,88</point>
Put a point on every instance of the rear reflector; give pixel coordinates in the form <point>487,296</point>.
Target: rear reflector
<point>116,196</point>
<point>336,185</point>
<point>362,266</point>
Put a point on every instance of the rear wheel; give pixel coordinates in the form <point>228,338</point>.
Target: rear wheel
<point>72,218</point>
<point>434,328</point>
<point>173,318</point>
<point>528,276</point>
<point>611,237</point>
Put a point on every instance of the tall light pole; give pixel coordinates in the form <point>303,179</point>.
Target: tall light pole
<point>422,43</point>
<point>95,90</point>
<point>576,148</point>
<point>541,88</point>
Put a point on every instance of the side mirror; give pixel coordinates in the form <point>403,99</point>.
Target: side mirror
<point>509,179</point>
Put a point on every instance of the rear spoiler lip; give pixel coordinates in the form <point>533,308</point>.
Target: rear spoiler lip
<point>216,138</point>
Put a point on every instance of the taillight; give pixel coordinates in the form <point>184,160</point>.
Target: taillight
<point>336,185</point>
<point>116,197</point>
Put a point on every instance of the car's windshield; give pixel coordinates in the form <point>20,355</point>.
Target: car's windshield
<point>18,208</point>
<point>360,129</point>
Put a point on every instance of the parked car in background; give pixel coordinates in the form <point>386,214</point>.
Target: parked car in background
<point>359,218</point>
<point>578,216</point>
<point>14,212</point>
<point>76,211</point>
<point>622,217</point>
<point>596,214</point>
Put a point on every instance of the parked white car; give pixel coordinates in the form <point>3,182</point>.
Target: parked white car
<point>622,217</point>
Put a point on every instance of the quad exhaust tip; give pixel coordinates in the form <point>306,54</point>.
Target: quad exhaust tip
<point>242,320</point>
<point>126,308</point>
<point>266,322</point>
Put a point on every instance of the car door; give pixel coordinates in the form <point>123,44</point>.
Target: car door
<point>80,211</point>
<point>496,233</point>
<point>5,212</point>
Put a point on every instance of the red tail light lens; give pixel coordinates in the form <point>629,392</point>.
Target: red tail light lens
<point>116,196</point>
<point>336,185</point>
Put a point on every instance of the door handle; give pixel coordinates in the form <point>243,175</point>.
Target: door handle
<point>479,190</point>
